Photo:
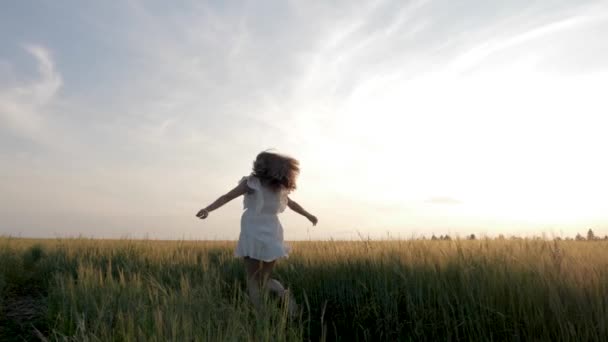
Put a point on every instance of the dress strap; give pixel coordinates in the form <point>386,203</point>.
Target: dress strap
<point>283,200</point>
<point>254,183</point>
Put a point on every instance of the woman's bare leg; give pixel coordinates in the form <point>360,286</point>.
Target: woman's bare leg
<point>258,277</point>
<point>255,279</point>
<point>276,287</point>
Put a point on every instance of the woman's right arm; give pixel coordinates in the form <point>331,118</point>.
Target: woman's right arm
<point>293,205</point>
<point>239,190</point>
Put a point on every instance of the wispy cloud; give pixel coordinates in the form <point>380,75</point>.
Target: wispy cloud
<point>476,55</point>
<point>23,107</point>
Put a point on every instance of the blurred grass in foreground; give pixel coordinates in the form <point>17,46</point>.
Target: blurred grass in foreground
<point>482,290</point>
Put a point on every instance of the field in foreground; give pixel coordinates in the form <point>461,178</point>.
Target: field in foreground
<point>483,290</point>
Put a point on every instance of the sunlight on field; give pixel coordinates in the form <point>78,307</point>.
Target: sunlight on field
<point>367,290</point>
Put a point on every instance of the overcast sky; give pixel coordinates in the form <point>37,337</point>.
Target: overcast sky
<point>408,117</point>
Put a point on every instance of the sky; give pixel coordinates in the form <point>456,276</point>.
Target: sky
<point>409,118</point>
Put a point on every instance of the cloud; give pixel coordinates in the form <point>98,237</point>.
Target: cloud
<point>24,108</point>
<point>476,55</point>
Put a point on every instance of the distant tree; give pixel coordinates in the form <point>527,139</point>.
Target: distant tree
<point>590,235</point>
<point>501,237</point>
<point>605,237</point>
<point>447,237</point>
<point>472,237</point>
<point>579,237</point>
<point>433,237</point>
<point>568,238</point>
<point>557,238</point>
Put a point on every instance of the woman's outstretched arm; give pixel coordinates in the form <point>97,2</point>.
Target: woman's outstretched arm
<point>293,205</point>
<point>240,189</point>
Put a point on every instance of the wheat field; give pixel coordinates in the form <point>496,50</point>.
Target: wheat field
<point>409,290</point>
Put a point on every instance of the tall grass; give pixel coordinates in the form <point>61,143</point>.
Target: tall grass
<point>121,290</point>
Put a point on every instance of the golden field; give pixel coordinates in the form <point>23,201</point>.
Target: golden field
<point>407,290</point>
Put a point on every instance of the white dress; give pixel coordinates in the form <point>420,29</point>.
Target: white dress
<point>261,235</point>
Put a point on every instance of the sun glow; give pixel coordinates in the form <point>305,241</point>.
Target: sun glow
<point>509,144</point>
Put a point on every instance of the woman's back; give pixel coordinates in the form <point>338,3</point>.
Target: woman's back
<point>263,200</point>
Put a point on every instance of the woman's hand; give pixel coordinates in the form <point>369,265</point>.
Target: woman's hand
<point>298,209</point>
<point>313,219</point>
<point>202,214</point>
<point>239,190</point>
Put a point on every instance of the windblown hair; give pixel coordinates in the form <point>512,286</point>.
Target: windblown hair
<point>276,171</point>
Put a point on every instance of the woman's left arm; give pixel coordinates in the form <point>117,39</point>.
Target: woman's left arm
<point>239,190</point>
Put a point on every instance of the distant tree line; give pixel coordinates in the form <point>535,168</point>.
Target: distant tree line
<point>590,237</point>
<point>442,237</point>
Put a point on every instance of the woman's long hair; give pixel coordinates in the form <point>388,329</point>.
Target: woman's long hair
<point>276,171</point>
